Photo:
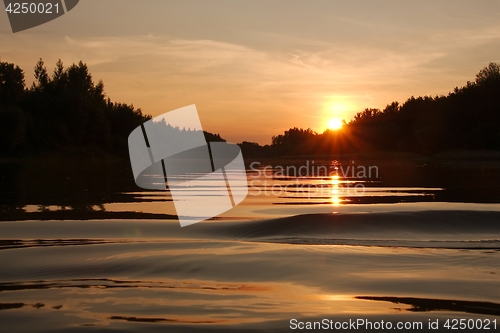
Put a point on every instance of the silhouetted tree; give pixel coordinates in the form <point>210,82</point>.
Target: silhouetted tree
<point>11,84</point>
<point>489,73</point>
<point>41,76</point>
<point>210,137</point>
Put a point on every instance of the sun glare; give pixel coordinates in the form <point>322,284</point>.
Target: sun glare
<point>335,124</point>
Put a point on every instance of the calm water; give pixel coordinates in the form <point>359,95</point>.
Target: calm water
<point>82,248</point>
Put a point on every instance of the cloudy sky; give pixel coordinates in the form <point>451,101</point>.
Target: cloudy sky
<point>256,68</point>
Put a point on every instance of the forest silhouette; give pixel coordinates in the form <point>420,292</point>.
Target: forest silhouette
<point>66,111</point>
<point>468,118</point>
<point>63,112</point>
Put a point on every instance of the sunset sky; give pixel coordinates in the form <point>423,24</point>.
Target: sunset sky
<point>257,68</point>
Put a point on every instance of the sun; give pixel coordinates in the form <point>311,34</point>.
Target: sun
<point>335,124</point>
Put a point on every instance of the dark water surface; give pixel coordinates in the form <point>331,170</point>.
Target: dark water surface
<point>82,249</point>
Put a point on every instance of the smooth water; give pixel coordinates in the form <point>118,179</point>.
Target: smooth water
<point>82,248</point>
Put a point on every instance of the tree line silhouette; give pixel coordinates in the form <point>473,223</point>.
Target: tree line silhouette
<point>67,111</point>
<point>63,111</point>
<point>468,118</point>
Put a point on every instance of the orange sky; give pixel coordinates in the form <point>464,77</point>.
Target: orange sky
<point>257,68</point>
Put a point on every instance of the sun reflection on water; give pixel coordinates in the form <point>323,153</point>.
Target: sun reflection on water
<point>335,190</point>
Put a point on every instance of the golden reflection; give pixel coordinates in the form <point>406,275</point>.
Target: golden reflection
<point>337,298</point>
<point>335,192</point>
